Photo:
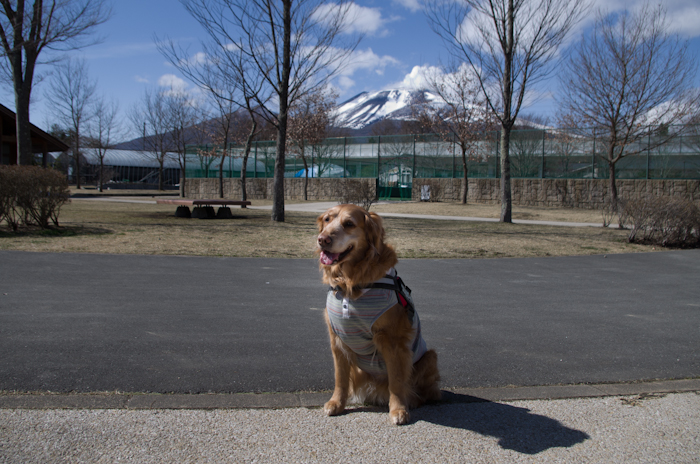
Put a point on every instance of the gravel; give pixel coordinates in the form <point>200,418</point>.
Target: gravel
<point>641,428</point>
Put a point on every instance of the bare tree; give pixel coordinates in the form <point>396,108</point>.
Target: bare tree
<point>629,74</point>
<point>181,113</point>
<point>293,46</point>
<point>26,31</point>
<point>221,72</point>
<point>309,118</point>
<point>103,130</point>
<point>246,129</point>
<point>568,140</point>
<point>151,116</point>
<point>462,116</point>
<point>71,95</point>
<point>528,145</point>
<point>508,44</point>
<point>223,132</point>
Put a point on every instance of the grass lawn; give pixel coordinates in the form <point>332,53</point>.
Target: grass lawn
<point>89,226</point>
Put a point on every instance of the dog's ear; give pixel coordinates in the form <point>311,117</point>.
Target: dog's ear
<point>374,230</point>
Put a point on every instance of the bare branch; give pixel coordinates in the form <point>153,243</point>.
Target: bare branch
<point>287,51</point>
<point>59,25</point>
<point>509,45</point>
<point>628,76</point>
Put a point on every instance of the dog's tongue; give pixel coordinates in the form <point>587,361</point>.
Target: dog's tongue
<point>328,258</point>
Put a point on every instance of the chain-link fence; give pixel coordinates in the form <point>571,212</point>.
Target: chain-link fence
<point>667,153</point>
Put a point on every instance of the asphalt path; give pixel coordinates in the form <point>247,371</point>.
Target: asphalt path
<point>88,322</point>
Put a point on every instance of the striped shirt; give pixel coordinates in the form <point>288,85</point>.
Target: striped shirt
<point>352,321</point>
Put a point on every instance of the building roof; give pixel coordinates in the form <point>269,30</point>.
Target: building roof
<point>130,158</point>
<point>145,159</point>
<point>51,142</point>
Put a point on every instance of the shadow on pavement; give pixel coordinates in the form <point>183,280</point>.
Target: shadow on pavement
<point>515,428</point>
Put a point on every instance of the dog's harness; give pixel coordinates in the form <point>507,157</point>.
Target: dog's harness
<point>392,281</point>
<point>352,320</point>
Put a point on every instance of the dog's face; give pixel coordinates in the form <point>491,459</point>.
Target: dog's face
<point>347,233</point>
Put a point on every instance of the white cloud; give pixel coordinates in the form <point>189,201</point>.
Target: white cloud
<point>345,82</point>
<point>172,83</point>
<point>367,60</point>
<point>197,59</point>
<point>413,5</point>
<point>141,79</point>
<point>682,16</point>
<point>418,78</point>
<point>359,19</point>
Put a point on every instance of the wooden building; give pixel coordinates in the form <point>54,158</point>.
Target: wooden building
<point>42,143</point>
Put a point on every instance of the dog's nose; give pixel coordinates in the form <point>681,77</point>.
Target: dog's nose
<point>324,239</point>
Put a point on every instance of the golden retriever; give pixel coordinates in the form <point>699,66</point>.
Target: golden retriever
<point>388,363</point>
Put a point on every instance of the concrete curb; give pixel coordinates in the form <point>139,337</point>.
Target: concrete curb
<point>153,401</point>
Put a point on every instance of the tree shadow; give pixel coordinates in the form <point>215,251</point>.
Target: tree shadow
<point>53,231</point>
<point>516,429</point>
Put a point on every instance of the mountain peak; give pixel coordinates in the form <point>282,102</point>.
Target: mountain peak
<point>369,107</point>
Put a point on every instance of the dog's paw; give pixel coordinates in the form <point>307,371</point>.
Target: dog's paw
<point>333,408</point>
<point>399,416</point>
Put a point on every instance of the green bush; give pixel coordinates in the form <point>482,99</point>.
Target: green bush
<point>31,195</point>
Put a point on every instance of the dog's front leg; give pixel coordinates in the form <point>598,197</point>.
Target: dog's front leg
<point>336,404</point>
<point>392,337</point>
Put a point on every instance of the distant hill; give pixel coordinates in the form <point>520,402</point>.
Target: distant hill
<point>197,134</point>
<point>354,117</point>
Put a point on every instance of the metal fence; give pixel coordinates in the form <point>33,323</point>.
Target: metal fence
<point>396,160</point>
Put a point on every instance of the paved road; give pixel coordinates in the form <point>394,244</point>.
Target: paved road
<point>79,322</point>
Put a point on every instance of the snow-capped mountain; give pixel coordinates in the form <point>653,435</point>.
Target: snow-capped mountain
<point>369,107</point>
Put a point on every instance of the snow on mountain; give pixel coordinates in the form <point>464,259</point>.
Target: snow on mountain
<point>367,108</point>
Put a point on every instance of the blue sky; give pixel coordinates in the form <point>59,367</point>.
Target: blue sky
<point>397,47</point>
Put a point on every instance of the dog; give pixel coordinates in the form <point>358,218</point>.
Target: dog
<point>378,351</point>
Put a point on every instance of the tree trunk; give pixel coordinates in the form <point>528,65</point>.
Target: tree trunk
<point>23,88</point>
<point>102,172</point>
<point>506,199</point>
<point>76,155</point>
<point>183,185</point>
<point>278,180</point>
<point>160,173</point>
<point>306,178</point>
<point>246,153</point>
<point>22,127</point>
<point>612,184</point>
<point>465,190</point>
<point>283,94</point>
<point>615,204</point>
<point>508,119</point>
<point>221,174</point>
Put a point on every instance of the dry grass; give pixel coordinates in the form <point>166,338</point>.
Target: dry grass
<point>132,228</point>
<point>492,211</point>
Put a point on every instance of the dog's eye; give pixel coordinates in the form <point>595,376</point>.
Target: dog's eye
<point>349,224</point>
<point>327,218</point>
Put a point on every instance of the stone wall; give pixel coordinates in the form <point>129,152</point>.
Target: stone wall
<point>579,193</point>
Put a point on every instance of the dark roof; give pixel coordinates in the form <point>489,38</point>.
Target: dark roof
<point>53,144</point>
